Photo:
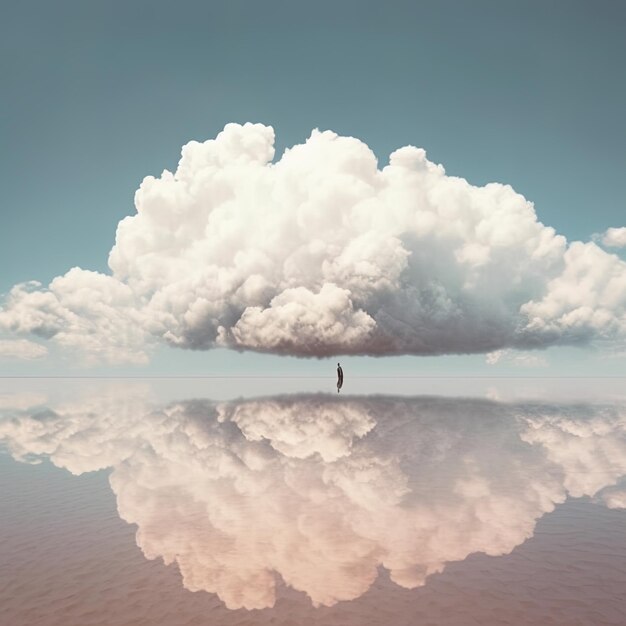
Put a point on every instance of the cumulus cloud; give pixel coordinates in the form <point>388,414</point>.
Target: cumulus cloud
<point>84,310</point>
<point>324,491</point>
<point>324,252</point>
<point>614,237</point>
<point>21,349</point>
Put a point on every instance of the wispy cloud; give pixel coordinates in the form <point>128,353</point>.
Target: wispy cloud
<point>21,349</point>
<point>512,357</point>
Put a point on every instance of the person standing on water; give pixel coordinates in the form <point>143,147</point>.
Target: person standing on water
<point>339,377</point>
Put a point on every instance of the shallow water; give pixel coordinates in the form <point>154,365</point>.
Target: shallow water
<point>278,501</point>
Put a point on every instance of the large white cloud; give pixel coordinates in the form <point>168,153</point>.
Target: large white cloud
<point>323,491</point>
<point>322,252</point>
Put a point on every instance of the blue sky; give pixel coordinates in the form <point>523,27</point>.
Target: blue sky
<point>98,95</point>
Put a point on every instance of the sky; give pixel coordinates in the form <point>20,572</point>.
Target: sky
<point>96,96</point>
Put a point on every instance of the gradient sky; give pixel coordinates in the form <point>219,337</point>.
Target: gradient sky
<point>98,95</point>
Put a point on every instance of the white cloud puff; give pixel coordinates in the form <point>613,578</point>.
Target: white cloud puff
<point>324,491</point>
<point>614,237</point>
<point>322,252</point>
<point>22,349</point>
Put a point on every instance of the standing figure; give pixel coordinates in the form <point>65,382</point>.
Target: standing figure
<point>339,377</point>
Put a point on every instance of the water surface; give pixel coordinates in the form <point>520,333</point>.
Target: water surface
<point>233,502</point>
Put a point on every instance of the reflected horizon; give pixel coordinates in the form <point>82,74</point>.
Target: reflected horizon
<point>324,492</point>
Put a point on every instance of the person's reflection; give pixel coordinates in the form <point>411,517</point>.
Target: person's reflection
<point>339,377</point>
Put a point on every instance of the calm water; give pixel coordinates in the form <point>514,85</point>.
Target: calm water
<point>437,501</point>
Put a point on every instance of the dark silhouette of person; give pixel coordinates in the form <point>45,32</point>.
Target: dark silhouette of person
<point>339,377</point>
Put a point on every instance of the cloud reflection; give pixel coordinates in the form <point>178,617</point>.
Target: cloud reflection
<point>324,491</point>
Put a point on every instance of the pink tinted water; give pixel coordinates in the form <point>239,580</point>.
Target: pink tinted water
<point>315,489</point>
<point>67,559</point>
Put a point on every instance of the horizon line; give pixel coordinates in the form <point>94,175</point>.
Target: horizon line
<point>261,377</point>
